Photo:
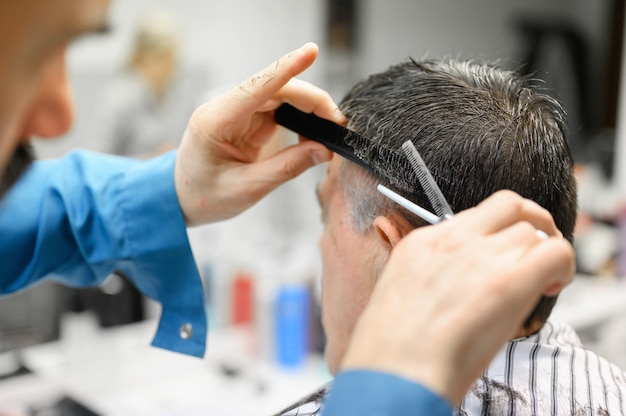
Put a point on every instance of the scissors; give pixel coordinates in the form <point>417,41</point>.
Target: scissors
<point>435,196</point>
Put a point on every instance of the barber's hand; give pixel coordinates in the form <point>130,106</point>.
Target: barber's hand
<point>451,295</point>
<point>218,173</point>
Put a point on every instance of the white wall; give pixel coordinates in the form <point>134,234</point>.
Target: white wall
<point>223,43</point>
<point>229,38</point>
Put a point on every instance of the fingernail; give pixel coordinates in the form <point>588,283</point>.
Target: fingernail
<point>554,289</point>
<point>303,48</point>
<point>320,156</point>
<point>340,117</point>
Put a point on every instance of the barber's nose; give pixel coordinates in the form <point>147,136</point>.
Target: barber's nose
<point>52,109</point>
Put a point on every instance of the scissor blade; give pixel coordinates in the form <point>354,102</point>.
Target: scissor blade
<point>414,208</point>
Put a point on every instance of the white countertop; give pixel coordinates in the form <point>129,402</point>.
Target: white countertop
<point>116,372</point>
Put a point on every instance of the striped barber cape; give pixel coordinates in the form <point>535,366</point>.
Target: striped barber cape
<point>548,373</point>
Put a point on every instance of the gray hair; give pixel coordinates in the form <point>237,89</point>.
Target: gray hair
<point>479,129</point>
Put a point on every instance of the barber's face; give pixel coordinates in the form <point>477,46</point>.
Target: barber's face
<point>35,98</point>
<point>351,261</point>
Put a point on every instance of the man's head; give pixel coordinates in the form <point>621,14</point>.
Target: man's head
<point>35,99</point>
<point>478,128</point>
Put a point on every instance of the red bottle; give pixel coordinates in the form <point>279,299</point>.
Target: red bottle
<point>242,298</point>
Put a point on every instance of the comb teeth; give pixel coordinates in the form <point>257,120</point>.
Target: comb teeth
<point>436,198</point>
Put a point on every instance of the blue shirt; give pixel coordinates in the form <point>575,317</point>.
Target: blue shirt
<point>79,218</point>
<point>372,393</point>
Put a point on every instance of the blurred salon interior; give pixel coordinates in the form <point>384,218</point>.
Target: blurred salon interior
<point>87,352</point>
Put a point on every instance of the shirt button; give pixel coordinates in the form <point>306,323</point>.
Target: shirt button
<point>186,331</point>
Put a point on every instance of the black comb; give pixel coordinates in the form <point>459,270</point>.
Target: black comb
<point>331,135</point>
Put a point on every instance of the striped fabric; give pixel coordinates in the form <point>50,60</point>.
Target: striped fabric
<point>548,373</point>
<point>310,405</point>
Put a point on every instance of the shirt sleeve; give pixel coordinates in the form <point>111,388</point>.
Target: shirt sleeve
<point>79,218</point>
<point>374,393</point>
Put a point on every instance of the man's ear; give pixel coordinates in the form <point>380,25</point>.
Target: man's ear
<point>389,232</point>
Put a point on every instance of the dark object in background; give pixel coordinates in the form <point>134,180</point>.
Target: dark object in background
<point>66,406</point>
<point>585,75</point>
<point>31,317</point>
<point>557,53</point>
<point>115,302</point>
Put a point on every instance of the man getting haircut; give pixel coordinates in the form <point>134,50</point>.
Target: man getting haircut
<point>479,129</point>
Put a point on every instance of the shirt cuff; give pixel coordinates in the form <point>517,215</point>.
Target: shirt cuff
<point>163,266</point>
<point>374,393</point>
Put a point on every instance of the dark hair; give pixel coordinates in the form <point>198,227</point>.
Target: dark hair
<point>312,401</point>
<point>478,128</point>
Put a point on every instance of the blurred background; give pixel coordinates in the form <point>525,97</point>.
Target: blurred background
<point>136,87</point>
